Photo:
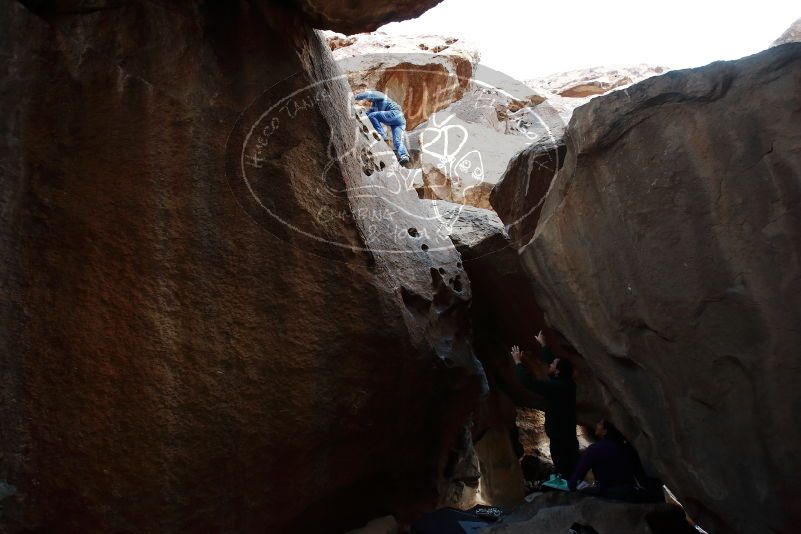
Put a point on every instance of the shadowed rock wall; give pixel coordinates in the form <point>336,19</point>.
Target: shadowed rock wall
<point>353,16</point>
<point>668,251</point>
<point>173,358</point>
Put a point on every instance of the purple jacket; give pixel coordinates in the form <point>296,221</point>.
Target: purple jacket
<point>612,463</point>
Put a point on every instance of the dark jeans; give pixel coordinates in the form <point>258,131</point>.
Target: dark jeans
<point>564,453</point>
<point>397,123</point>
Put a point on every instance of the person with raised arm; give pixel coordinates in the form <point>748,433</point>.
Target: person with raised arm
<point>559,392</point>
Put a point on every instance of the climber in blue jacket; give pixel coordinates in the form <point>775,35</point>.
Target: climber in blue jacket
<point>384,110</point>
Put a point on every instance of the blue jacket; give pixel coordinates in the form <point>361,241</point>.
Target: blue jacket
<point>380,101</point>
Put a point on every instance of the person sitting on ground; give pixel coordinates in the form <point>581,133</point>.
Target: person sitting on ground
<point>560,405</point>
<point>384,110</point>
<point>613,461</point>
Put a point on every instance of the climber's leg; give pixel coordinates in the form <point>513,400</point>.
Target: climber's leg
<point>375,118</point>
<point>397,140</point>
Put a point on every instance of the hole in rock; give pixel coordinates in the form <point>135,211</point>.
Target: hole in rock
<point>415,303</point>
<point>413,232</point>
<point>382,165</point>
<point>457,284</point>
<point>441,270</point>
<point>424,246</point>
<point>443,296</point>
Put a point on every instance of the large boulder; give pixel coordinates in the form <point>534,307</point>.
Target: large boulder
<point>504,313</point>
<point>463,150</point>
<point>791,35</point>
<point>462,161</point>
<point>219,310</point>
<point>346,16</point>
<point>668,251</point>
<point>504,308</point>
<point>464,121</point>
<point>594,81</point>
<point>423,74</point>
<point>519,194</point>
<point>353,16</point>
<point>565,91</point>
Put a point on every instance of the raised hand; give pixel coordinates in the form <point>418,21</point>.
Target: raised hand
<point>540,339</point>
<point>516,355</point>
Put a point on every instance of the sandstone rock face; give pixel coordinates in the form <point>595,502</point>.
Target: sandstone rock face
<point>668,251</point>
<point>565,91</point>
<point>501,480</point>
<point>423,74</point>
<point>504,308</point>
<point>505,313</point>
<point>594,81</point>
<point>553,115</point>
<point>792,35</point>
<point>464,121</point>
<point>519,194</point>
<point>464,149</point>
<point>461,161</point>
<point>353,16</point>
<point>220,312</point>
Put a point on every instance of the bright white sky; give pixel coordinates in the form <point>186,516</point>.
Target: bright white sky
<point>530,38</point>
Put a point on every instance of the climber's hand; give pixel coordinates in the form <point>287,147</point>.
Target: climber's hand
<point>516,355</point>
<point>540,339</point>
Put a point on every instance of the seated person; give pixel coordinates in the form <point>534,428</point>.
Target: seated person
<point>614,463</point>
